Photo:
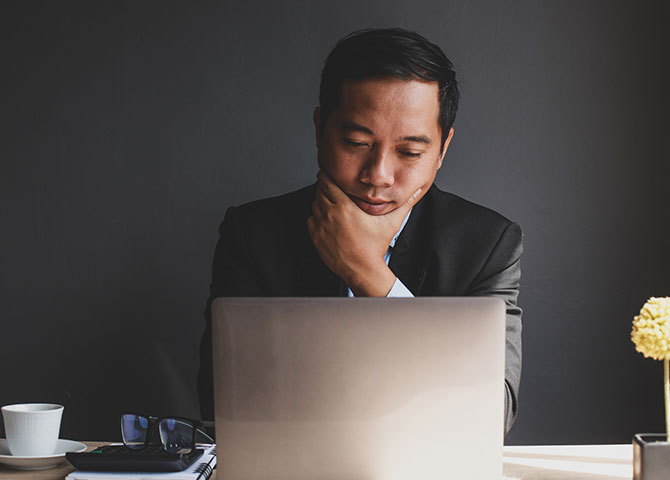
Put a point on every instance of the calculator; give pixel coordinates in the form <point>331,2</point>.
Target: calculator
<point>120,458</point>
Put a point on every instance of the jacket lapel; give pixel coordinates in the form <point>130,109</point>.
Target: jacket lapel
<point>405,265</point>
<point>406,262</point>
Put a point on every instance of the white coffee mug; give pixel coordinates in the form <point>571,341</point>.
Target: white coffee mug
<point>32,428</point>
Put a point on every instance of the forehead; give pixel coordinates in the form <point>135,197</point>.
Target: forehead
<point>383,104</point>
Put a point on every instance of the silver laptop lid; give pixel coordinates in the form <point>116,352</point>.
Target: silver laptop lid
<point>364,388</point>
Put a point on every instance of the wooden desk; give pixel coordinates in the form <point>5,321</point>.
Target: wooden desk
<point>561,462</point>
<point>568,462</point>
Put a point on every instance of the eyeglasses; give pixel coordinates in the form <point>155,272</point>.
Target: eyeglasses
<point>176,434</point>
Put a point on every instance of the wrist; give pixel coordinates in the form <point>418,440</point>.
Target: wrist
<point>374,282</point>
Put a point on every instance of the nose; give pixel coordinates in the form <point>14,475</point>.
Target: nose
<point>377,171</point>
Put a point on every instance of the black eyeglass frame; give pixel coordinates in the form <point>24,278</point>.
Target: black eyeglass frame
<point>153,431</point>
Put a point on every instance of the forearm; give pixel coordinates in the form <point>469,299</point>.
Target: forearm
<point>500,277</point>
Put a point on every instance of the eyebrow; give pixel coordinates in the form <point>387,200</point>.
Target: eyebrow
<point>355,127</point>
<point>417,138</point>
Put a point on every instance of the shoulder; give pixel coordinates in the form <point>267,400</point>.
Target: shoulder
<point>275,212</point>
<point>443,203</point>
<point>275,223</point>
<point>450,215</point>
<point>292,201</point>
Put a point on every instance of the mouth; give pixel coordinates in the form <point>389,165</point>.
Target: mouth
<point>373,206</point>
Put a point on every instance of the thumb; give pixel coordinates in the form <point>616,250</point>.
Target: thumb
<point>399,214</point>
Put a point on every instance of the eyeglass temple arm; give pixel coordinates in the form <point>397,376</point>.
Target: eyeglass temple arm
<point>208,424</point>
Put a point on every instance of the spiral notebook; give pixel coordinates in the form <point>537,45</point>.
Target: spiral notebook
<point>200,470</point>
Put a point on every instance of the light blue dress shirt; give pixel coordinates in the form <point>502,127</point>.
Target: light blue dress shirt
<point>398,289</point>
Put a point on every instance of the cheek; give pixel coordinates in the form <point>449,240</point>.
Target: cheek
<point>342,166</point>
<point>416,176</point>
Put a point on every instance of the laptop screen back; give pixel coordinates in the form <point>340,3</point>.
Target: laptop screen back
<point>364,388</point>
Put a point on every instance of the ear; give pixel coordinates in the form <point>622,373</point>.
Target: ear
<point>444,147</point>
<point>316,117</point>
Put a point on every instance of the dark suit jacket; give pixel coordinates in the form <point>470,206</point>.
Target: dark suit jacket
<point>449,247</point>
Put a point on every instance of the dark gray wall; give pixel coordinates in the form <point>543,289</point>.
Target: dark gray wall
<point>128,128</point>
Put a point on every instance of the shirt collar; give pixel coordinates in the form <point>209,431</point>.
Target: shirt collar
<point>395,237</point>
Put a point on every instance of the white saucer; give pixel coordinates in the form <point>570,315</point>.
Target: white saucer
<point>39,462</point>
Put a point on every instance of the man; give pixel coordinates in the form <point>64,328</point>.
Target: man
<point>374,224</point>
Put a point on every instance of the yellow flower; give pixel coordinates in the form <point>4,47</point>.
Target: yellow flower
<point>651,329</point>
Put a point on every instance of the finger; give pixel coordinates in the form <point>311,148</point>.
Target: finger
<point>319,209</point>
<point>399,214</point>
<point>322,197</point>
<point>325,186</point>
<point>311,227</point>
<point>330,188</point>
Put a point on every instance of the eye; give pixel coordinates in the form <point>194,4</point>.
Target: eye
<point>410,154</point>
<point>354,143</point>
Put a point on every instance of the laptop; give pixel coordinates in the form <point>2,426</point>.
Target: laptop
<point>359,388</point>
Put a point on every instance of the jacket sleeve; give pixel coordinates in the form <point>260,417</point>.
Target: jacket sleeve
<point>500,277</point>
<point>233,275</point>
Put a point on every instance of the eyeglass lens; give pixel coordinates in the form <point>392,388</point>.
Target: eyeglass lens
<point>177,436</point>
<point>134,430</point>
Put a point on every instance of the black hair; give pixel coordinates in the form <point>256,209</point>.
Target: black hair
<point>389,52</point>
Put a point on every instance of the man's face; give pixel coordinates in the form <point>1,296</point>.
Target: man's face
<point>383,142</point>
